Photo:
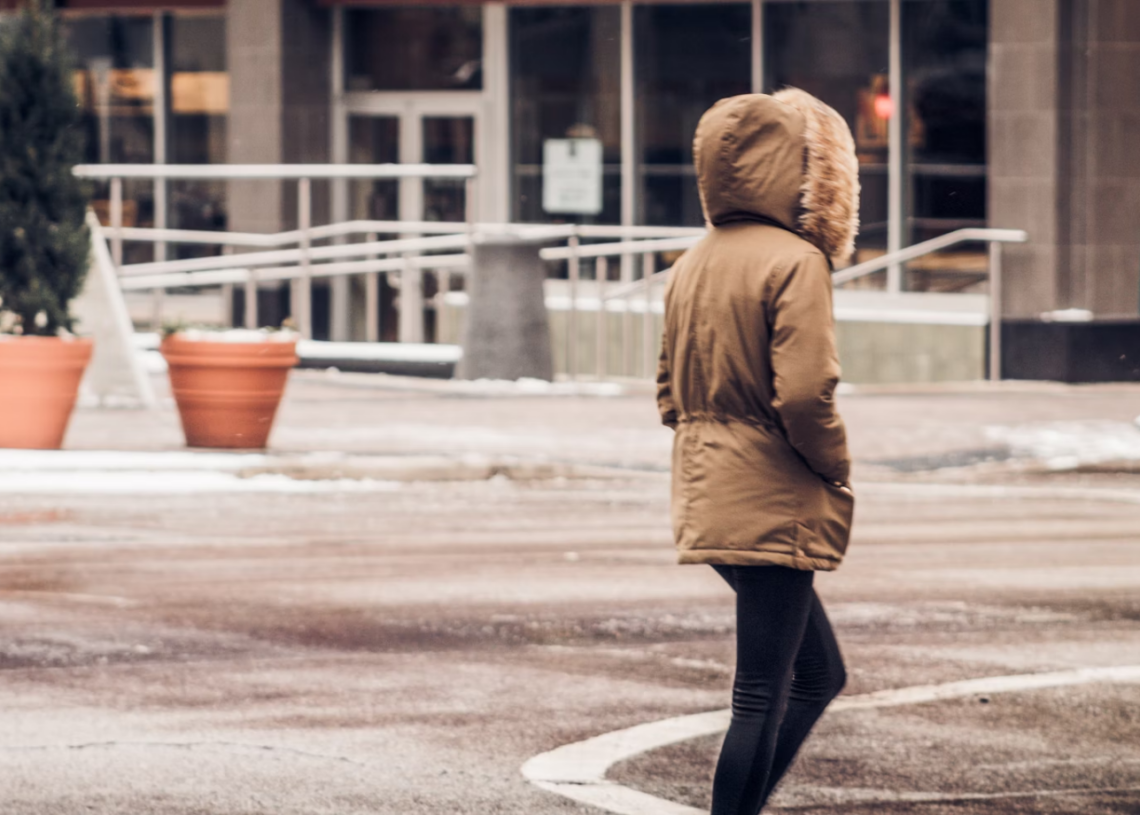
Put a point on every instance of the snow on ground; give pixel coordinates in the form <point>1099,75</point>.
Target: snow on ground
<point>1065,445</point>
<point>118,461</point>
<point>173,482</point>
<point>38,472</point>
<point>380,351</point>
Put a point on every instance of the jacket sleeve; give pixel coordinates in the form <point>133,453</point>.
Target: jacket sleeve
<point>805,366</point>
<point>665,404</point>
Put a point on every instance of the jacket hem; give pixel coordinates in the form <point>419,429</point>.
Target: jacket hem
<point>736,557</point>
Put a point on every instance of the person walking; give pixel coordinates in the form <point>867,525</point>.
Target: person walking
<point>747,377</point>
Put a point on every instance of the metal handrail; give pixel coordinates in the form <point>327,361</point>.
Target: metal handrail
<point>970,235</point>
<point>993,238</point>
<point>620,248</point>
<point>217,277</point>
<point>280,256</point>
<point>536,231</point>
<point>302,174</point>
<point>300,262</point>
<point>295,172</point>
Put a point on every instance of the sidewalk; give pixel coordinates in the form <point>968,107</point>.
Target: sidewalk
<point>372,426</point>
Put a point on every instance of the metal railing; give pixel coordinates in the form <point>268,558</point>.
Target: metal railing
<point>634,293</point>
<point>993,238</point>
<point>303,236</point>
<point>590,253</point>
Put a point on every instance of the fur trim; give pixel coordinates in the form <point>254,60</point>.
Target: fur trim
<point>829,196</point>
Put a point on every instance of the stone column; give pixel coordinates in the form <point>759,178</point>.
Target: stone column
<point>507,333</point>
<point>278,56</point>
<point>1025,184</point>
<point>1105,257</point>
<point>1064,111</point>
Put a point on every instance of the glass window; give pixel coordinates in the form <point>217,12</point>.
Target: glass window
<point>686,57</point>
<point>199,102</point>
<point>374,140</point>
<point>115,79</point>
<point>447,140</point>
<point>839,51</point>
<point>565,83</point>
<point>944,58</point>
<point>115,83</point>
<point>414,48</point>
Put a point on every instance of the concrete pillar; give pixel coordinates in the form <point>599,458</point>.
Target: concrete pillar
<point>507,334</point>
<point>1106,279</point>
<point>1024,162</point>
<point>1064,108</point>
<point>278,55</point>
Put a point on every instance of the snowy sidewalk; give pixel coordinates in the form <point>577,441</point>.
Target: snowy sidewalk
<point>380,428</point>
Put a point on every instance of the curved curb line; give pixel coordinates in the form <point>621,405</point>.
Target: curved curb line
<point>578,770</point>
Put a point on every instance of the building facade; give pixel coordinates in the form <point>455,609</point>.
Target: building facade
<point>1007,113</point>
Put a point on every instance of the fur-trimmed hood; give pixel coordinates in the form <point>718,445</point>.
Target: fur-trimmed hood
<point>786,158</point>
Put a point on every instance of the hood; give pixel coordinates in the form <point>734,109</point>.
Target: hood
<point>786,158</point>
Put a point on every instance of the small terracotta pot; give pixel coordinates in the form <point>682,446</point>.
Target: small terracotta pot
<point>39,380</point>
<point>228,392</point>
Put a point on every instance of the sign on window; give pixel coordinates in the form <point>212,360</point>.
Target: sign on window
<point>572,176</point>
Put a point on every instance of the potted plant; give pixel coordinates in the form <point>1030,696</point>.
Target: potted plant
<point>228,384</point>
<point>44,243</point>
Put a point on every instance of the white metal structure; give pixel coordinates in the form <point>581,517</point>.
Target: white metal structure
<point>303,174</point>
<point>115,374</point>
<point>894,262</point>
<point>441,249</point>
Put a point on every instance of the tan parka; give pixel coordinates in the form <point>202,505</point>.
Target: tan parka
<point>748,365</point>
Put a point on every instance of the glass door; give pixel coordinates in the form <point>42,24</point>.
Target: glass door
<point>406,306</point>
<point>446,140</point>
<point>410,138</point>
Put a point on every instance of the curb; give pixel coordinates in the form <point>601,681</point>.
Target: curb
<point>577,771</point>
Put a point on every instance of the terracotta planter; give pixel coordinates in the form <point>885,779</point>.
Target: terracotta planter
<point>39,380</point>
<point>228,392</point>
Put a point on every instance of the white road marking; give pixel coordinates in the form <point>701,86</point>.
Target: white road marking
<point>578,770</point>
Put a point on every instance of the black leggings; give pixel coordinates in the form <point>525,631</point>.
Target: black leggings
<point>788,669</point>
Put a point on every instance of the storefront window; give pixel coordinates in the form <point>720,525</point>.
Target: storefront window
<point>839,52</point>
<point>944,59</point>
<point>374,140</point>
<point>565,84</point>
<point>115,83</point>
<point>686,57</point>
<point>447,140</point>
<point>414,49</point>
<point>199,104</point>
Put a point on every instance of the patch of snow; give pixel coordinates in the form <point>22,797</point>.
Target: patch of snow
<point>153,362</point>
<point>175,482</point>
<point>237,335</point>
<point>536,387</point>
<point>146,340</point>
<point>1065,445</point>
<point>380,351</point>
<point>1068,315</point>
<point>603,444</point>
<point>118,460</point>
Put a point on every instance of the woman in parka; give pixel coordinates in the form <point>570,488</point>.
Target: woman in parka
<point>747,378</point>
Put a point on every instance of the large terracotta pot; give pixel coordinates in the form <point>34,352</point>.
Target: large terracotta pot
<point>228,392</point>
<point>39,380</point>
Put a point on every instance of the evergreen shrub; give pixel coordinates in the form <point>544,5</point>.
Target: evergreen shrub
<point>44,242</point>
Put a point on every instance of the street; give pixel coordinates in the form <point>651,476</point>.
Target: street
<point>423,585</point>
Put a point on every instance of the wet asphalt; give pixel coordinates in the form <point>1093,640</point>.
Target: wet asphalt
<point>405,650</point>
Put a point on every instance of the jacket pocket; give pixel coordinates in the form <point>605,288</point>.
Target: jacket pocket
<point>829,526</point>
